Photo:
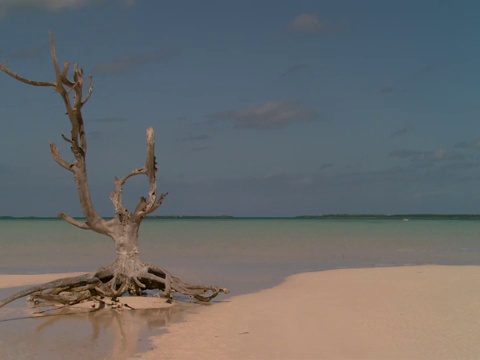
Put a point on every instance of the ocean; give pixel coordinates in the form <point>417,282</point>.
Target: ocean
<point>245,255</point>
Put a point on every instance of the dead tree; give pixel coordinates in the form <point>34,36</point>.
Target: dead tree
<point>127,273</point>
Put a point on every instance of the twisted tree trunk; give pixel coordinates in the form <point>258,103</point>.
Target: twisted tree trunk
<point>127,273</point>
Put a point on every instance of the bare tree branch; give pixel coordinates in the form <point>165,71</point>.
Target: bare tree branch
<point>70,141</point>
<point>58,158</point>
<point>150,170</point>
<point>117,196</point>
<point>90,90</point>
<point>66,66</point>
<point>78,140</point>
<point>7,71</point>
<point>150,163</point>
<point>74,222</point>
<point>141,205</point>
<point>157,204</point>
<point>144,207</point>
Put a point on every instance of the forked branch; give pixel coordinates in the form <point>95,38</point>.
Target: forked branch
<point>78,141</point>
<point>145,206</point>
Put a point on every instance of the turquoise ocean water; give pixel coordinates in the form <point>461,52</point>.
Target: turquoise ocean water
<point>245,255</point>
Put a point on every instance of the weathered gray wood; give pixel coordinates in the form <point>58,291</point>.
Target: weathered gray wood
<point>69,282</point>
<point>127,273</point>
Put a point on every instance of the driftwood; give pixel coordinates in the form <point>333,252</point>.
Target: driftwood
<point>127,273</point>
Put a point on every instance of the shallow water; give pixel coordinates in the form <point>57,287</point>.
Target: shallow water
<point>245,255</point>
<point>106,334</point>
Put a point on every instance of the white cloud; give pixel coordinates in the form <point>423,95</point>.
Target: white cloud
<point>267,116</point>
<point>307,23</point>
<point>7,6</point>
<point>48,5</point>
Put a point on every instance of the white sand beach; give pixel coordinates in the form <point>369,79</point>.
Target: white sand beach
<point>411,312</point>
<point>417,312</point>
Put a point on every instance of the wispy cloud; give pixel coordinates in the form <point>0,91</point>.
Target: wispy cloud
<point>270,115</point>
<point>32,53</point>
<point>431,69</point>
<point>307,23</point>
<point>127,63</point>
<point>7,6</point>
<point>129,3</point>
<point>196,138</point>
<point>294,69</point>
<point>326,166</point>
<point>200,148</point>
<point>460,166</point>
<point>110,120</point>
<point>468,144</point>
<point>96,135</point>
<point>387,90</point>
<point>427,156</point>
<point>310,24</point>
<point>400,132</point>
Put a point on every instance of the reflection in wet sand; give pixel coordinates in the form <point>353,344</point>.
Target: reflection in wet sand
<point>97,334</point>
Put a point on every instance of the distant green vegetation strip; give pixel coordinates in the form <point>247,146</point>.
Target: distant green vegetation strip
<point>395,217</point>
<point>306,217</point>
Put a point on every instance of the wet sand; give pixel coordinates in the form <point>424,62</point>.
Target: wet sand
<point>82,331</point>
<point>414,312</point>
<point>418,312</point>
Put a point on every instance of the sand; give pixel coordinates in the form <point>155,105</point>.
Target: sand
<point>418,312</point>
<point>84,331</point>
<point>415,312</point>
<point>25,280</point>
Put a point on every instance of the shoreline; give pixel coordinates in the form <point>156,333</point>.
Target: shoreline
<point>409,312</point>
<point>415,312</point>
<point>87,330</point>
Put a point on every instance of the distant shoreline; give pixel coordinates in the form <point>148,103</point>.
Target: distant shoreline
<point>301,217</point>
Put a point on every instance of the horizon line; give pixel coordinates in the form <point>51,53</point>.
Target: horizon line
<point>332,215</point>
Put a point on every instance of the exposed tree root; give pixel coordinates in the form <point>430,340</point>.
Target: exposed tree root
<point>64,283</point>
<point>113,281</point>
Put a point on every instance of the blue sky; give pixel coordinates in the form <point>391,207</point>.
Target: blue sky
<point>261,108</point>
